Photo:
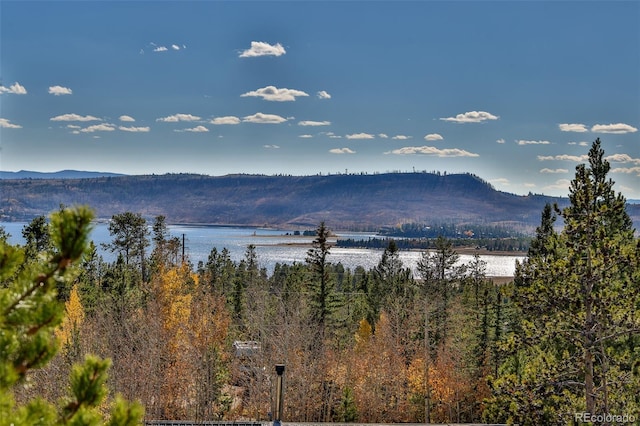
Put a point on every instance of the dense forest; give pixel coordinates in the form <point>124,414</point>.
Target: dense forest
<point>422,236</point>
<point>201,341</point>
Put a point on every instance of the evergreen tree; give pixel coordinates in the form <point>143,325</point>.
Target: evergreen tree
<point>36,235</point>
<point>577,293</point>
<point>30,312</point>
<point>323,300</point>
<point>130,237</point>
<point>165,248</point>
<point>4,235</point>
<point>391,286</point>
<point>219,272</point>
<point>440,273</point>
<point>541,245</point>
<point>347,410</point>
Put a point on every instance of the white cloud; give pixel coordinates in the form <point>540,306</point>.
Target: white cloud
<point>564,157</point>
<point>135,129</point>
<point>179,117</point>
<point>305,136</point>
<point>525,142</point>
<point>225,120</point>
<point>162,48</point>
<point>433,137</point>
<point>314,123</point>
<point>627,170</point>
<point>103,127</point>
<point>529,185</point>
<point>545,170</point>
<point>261,118</point>
<point>6,124</point>
<point>74,117</point>
<point>360,136</point>
<point>618,128</point>
<point>573,127</point>
<point>333,135</point>
<point>622,158</point>
<point>562,184</point>
<point>471,117</point>
<point>383,136</point>
<point>342,151</point>
<point>272,93</point>
<point>73,126</point>
<point>271,146</point>
<point>500,141</point>
<point>401,137</point>
<point>126,118</point>
<point>260,48</point>
<point>197,129</point>
<point>583,143</point>
<point>323,95</point>
<point>59,90</point>
<point>432,151</point>
<point>16,89</point>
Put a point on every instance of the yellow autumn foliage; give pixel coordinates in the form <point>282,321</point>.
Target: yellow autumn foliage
<point>363,335</point>
<point>73,318</point>
<point>175,304</point>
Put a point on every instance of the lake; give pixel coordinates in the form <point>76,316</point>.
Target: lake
<point>275,246</point>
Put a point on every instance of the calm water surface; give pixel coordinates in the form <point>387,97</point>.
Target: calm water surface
<point>273,246</point>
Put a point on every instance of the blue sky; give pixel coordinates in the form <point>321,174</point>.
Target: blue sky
<point>514,92</point>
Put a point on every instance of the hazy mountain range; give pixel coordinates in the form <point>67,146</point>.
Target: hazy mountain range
<point>355,201</point>
<point>62,174</point>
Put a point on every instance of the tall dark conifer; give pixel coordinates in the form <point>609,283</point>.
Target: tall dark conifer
<point>577,293</point>
<point>321,286</point>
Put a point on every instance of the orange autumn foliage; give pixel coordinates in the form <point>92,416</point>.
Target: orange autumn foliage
<point>195,325</point>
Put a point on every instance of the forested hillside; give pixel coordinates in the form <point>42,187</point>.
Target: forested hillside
<point>560,344</point>
<point>342,201</point>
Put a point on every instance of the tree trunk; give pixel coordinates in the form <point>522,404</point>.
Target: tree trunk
<point>589,387</point>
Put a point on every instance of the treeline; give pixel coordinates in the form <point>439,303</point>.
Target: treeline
<point>520,244</point>
<point>450,230</point>
<point>366,345</point>
<point>373,345</point>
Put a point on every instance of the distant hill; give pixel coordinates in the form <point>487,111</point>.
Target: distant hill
<point>356,202</point>
<point>63,174</point>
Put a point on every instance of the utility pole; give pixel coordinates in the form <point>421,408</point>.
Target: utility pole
<point>279,402</point>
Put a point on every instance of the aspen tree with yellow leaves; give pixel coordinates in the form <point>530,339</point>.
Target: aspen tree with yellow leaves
<point>69,331</point>
<point>195,326</point>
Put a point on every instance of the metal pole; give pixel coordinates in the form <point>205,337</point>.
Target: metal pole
<point>277,421</point>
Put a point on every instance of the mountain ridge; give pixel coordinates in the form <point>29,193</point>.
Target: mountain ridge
<point>343,201</point>
<point>61,174</point>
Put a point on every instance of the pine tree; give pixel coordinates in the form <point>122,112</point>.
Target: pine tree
<point>321,284</point>
<point>30,312</point>
<point>577,294</point>
<point>439,272</point>
<point>130,238</point>
<point>36,235</point>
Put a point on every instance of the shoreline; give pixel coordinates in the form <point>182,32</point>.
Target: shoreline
<point>460,250</point>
